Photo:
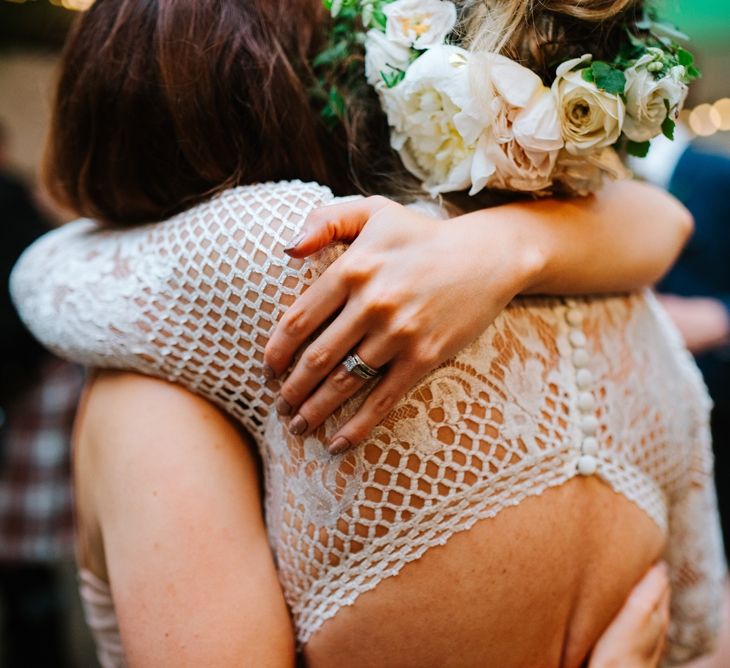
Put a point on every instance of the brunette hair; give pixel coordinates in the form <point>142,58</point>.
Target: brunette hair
<point>163,103</point>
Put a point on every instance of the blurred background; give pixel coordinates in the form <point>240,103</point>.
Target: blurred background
<point>36,570</point>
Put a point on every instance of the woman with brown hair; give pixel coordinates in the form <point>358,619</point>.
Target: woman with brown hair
<point>489,494</point>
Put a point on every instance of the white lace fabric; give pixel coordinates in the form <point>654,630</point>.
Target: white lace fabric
<point>554,389</point>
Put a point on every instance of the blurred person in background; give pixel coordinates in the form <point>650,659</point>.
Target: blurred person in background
<point>38,396</point>
<point>696,292</point>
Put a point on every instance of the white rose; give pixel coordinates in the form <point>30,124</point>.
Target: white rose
<point>435,119</point>
<point>645,99</point>
<point>591,119</point>
<point>419,23</point>
<point>383,57</point>
<point>519,149</point>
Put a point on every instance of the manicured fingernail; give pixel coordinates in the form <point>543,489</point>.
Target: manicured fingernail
<point>339,445</point>
<point>295,242</point>
<point>298,426</point>
<point>268,372</point>
<point>282,406</point>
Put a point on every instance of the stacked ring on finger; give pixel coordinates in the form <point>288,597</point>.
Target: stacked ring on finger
<point>354,365</point>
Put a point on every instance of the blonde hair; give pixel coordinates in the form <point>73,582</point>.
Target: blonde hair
<point>535,31</point>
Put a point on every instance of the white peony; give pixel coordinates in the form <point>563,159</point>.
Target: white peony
<point>646,96</point>
<point>382,56</point>
<point>519,148</point>
<point>436,120</point>
<point>419,23</point>
<point>590,118</point>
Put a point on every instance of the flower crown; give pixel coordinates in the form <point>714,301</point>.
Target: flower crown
<point>463,120</point>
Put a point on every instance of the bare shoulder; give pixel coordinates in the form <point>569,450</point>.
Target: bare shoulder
<point>136,434</point>
<point>173,487</point>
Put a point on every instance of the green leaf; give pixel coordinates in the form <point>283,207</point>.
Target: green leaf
<point>693,72</point>
<point>334,109</point>
<point>379,19</point>
<point>393,78</point>
<point>668,128</point>
<point>587,74</point>
<point>684,57</point>
<point>638,149</point>
<point>331,55</point>
<point>668,31</point>
<point>608,78</point>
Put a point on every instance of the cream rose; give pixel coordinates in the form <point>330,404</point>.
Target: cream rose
<point>591,119</point>
<point>419,23</point>
<point>435,119</point>
<point>647,99</point>
<point>519,148</point>
<point>382,56</point>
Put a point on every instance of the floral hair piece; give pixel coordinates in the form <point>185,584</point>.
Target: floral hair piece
<point>468,121</point>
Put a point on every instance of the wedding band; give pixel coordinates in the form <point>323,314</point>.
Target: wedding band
<point>354,364</point>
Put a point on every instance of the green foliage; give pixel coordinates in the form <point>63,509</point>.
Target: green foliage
<point>608,78</point>
<point>638,149</point>
<point>392,79</point>
<point>340,67</point>
<point>668,127</point>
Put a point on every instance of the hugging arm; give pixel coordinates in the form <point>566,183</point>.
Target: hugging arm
<point>411,291</point>
<point>190,300</point>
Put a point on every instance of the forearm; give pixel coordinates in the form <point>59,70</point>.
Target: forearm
<point>625,237</point>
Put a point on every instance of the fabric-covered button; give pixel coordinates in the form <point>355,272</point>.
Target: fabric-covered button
<point>574,316</point>
<point>590,446</point>
<point>584,378</point>
<point>586,402</point>
<point>581,357</point>
<point>589,425</point>
<point>577,339</point>
<point>587,465</point>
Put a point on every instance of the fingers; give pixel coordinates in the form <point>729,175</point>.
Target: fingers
<point>660,620</point>
<point>320,358</point>
<point>649,594</point>
<point>636,636</point>
<point>337,222</point>
<point>303,318</point>
<point>339,386</point>
<point>392,388</point>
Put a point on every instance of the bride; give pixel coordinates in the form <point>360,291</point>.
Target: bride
<point>536,475</point>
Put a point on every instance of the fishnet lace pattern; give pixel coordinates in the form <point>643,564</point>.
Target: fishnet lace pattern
<point>554,389</point>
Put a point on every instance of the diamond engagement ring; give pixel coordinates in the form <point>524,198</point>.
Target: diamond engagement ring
<point>356,366</point>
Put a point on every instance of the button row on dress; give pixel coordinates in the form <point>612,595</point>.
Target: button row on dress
<point>588,461</point>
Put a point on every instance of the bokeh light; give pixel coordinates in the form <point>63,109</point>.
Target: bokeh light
<point>722,107</point>
<point>74,5</point>
<point>705,120</point>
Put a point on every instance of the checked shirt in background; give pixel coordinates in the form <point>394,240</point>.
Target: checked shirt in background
<point>36,507</point>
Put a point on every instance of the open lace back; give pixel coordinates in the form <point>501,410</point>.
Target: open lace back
<point>554,389</point>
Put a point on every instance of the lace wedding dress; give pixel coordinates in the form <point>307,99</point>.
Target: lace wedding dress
<point>556,388</point>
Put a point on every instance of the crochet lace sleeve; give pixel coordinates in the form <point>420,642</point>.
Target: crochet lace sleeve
<point>190,300</point>
<point>696,560</point>
<point>694,551</point>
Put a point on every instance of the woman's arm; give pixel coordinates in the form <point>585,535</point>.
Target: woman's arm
<point>174,489</point>
<point>625,237</point>
<point>412,291</point>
